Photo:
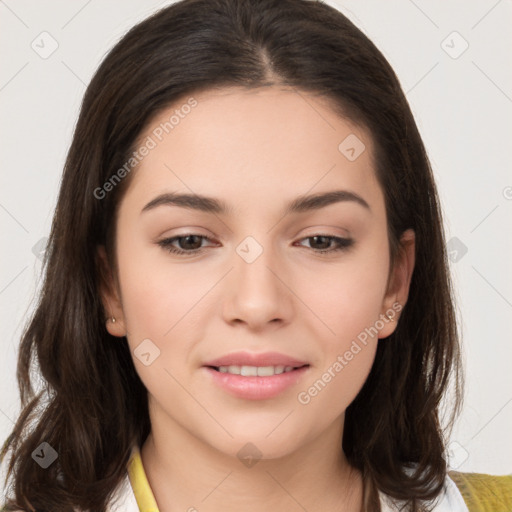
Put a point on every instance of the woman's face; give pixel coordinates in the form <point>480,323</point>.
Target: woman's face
<point>259,282</point>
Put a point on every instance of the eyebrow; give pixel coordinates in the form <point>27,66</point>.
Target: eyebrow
<point>212,205</point>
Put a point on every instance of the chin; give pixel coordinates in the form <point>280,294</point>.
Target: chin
<point>258,447</point>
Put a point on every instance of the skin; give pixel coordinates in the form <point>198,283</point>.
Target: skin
<point>263,148</point>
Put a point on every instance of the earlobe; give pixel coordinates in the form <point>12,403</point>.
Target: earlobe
<point>114,318</point>
<point>399,282</point>
<point>114,327</point>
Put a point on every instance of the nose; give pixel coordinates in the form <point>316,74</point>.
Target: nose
<point>257,292</point>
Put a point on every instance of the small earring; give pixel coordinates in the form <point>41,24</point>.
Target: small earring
<point>390,318</point>
<point>113,320</point>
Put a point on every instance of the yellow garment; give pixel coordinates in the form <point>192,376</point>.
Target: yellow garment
<point>484,493</point>
<point>140,485</point>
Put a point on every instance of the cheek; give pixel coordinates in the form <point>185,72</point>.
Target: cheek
<point>155,307</point>
<point>155,294</point>
<point>149,304</point>
<point>332,390</point>
<point>348,298</point>
<point>350,313</point>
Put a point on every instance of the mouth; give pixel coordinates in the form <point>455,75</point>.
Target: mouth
<point>256,382</point>
<point>256,371</point>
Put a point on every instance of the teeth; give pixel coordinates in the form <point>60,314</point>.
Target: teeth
<point>255,371</point>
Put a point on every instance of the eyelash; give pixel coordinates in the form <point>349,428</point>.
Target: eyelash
<point>343,244</point>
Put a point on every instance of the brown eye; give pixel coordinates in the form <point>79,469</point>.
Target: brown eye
<point>325,243</point>
<point>189,243</point>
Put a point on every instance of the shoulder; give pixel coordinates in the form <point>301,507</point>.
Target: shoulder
<point>123,499</point>
<point>449,500</point>
<point>467,492</point>
<point>484,493</point>
<point>462,492</point>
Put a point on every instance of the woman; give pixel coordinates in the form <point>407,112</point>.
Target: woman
<point>258,370</point>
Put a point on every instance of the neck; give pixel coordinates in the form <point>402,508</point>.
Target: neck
<point>187,474</point>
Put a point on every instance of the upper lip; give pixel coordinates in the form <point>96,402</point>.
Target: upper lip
<point>252,359</point>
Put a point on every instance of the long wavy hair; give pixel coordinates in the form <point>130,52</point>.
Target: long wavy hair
<point>91,406</point>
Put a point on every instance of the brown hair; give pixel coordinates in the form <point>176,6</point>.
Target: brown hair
<point>92,406</point>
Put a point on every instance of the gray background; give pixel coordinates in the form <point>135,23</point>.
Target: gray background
<point>462,100</point>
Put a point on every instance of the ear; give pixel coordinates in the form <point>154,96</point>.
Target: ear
<point>109,295</point>
<point>398,283</point>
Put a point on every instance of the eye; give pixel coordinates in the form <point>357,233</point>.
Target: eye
<point>191,243</point>
<point>326,240</point>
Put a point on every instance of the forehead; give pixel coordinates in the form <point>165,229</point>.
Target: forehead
<point>255,146</point>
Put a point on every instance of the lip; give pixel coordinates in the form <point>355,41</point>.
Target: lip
<point>244,358</point>
<point>256,388</point>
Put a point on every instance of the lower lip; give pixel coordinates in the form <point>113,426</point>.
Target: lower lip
<point>256,388</point>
